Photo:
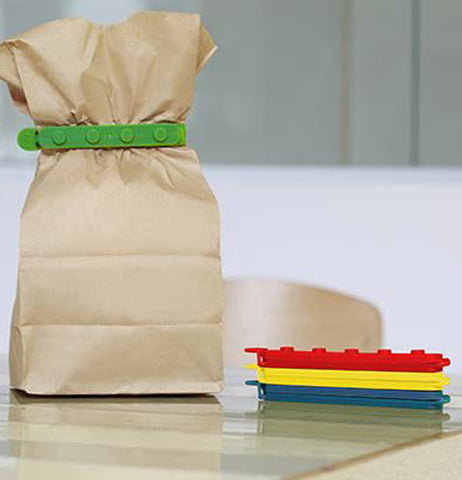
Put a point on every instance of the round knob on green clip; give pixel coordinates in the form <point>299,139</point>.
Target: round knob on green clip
<point>127,135</point>
<point>59,137</point>
<point>27,139</point>
<point>93,136</point>
<point>160,134</point>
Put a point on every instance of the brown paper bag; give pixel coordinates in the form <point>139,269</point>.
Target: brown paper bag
<point>119,287</point>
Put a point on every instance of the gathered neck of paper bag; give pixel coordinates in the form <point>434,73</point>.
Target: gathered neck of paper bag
<point>139,71</point>
<point>103,136</point>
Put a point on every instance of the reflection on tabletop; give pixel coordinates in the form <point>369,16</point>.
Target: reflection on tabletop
<point>232,434</point>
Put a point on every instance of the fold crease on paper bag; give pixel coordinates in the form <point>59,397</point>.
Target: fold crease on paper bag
<point>119,286</point>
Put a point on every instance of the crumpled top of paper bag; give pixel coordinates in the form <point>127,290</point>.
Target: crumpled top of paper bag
<point>72,71</point>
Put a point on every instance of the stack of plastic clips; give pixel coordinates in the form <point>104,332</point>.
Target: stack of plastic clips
<point>381,379</point>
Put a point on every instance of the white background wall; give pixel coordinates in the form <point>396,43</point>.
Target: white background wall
<point>393,237</point>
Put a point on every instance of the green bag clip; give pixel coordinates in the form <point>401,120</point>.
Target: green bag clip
<point>103,136</point>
